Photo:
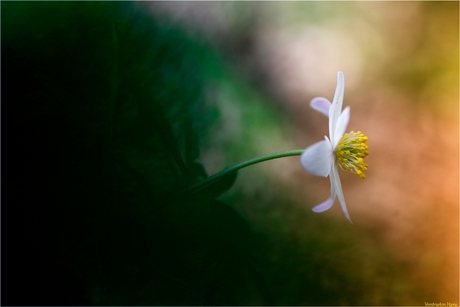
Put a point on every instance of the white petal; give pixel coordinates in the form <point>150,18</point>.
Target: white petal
<point>335,181</point>
<point>332,179</point>
<point>341,126</point>
<point>326,205</point>
<point>317,159</point>
<point>321,104</point>
<point>336,108</point>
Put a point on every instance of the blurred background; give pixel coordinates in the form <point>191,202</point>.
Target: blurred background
<point>243,73</point>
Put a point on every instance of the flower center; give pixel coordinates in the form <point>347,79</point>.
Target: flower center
<point>351,151</point>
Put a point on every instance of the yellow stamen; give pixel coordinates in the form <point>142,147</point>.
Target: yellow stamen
<point>351,151</point>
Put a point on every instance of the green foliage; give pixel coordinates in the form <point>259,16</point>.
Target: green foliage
<point>105,109</point>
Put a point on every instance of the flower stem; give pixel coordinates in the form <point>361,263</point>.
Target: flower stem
<point>234,168</point>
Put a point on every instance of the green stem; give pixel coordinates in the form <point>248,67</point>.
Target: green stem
<point>234,168</point>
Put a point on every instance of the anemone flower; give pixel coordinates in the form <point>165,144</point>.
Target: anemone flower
<point>345,149</point>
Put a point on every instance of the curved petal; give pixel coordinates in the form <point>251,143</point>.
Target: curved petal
<point>335,182</point>
<point>321,104</point>
<point>326,205</point>
<point>317,159</point>
<point>332,179</point>
<point>341,126</point>
<point>336,108</point>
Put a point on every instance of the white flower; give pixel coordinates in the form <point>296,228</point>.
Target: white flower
<point>345,149</point>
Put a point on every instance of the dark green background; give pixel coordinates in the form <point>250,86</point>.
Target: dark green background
<point>103,116</point>
<point>102,112</point>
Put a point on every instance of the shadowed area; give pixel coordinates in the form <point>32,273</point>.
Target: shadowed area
<point>110,110</point>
